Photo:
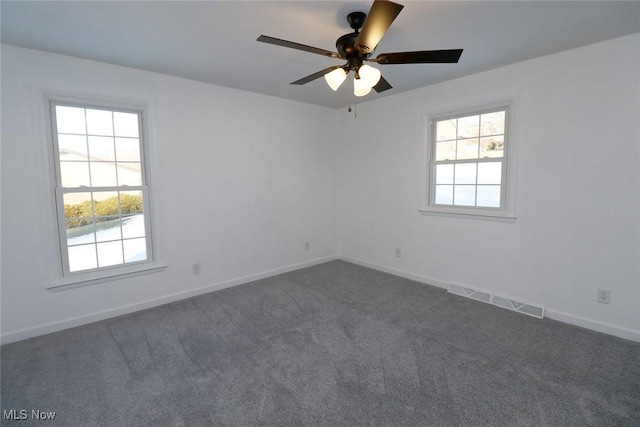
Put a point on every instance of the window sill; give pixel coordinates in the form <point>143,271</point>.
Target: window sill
<point>486,215</point>
<point>73,282</point>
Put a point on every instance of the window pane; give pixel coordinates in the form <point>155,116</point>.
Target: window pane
<point>78,213</point>
<point>77,205</point>
<point>492,146</point>
<point>467,149</point>
<point>129,174</point>
<point>70,120</point>
<point>135,250</point>
<point>444,174</point>
<point>126,124</point>
<point>103,174</point>
<point>80,231</point>
<point>133,226</point>
<point>72,147</point>
<point>106,203</point>
<point>108,228</point>
<point>446,130</point>
<point>465,173</point>
<point>74,174</point>
<point>131,202</point>
<point>82,257</point>
<point>444,195</point>
<point>102,148</point>
<point>446,150</point>
<point>489,196</point>
<point>468,127</point>
<point>492,123</point>
<point>465,195</point>
<point>128,149</point>
<point>490,173</point>
<point>110,253</point>
<point>99,122</point>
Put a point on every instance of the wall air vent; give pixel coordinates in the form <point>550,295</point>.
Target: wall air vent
<point>509,303</point>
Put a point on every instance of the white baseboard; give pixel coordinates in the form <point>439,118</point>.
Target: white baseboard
<point>594,325</point>
<point>386,269</point>
<point>57,326</point>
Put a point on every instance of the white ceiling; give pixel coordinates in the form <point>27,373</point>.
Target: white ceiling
<point>215,41</point>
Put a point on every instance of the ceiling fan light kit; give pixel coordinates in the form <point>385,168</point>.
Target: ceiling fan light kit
<point>360,89</point>
<point>357,47</point>
<point>366,78</point>
<point>335,78</point>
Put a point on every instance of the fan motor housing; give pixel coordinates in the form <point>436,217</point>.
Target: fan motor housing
<point>346,44</point>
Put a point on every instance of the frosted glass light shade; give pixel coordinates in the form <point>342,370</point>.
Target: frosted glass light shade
<point>360,87</point>
<point>370,75</point>
<point>335,78</point>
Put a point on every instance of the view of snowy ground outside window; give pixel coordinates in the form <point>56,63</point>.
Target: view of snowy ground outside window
<point>89,248</point>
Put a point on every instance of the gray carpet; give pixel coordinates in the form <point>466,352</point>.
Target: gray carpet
<point>334,344</point>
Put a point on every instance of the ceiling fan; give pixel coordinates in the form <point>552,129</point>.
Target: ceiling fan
<point>356,48</point>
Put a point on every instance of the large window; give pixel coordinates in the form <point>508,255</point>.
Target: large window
<point>101,187</point>
<point>468,161</point>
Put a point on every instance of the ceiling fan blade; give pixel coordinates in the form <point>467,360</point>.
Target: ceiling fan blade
<point>293,45</point>
<point>380,17</point>
<point>420,57</point>
<point>312,77</point>
<point>382,85</point>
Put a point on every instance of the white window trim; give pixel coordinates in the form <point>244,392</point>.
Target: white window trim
<point>93,278</point>
<point>505,214</point>
<point>73,280</point>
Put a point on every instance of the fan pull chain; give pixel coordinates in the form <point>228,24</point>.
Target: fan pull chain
<point>355,102</point>
<point>355,110</point>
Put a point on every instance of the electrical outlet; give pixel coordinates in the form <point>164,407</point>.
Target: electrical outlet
<point>604,296</point>
<point>306,246</point>
<point>195,268</point>
<point>398,253</point>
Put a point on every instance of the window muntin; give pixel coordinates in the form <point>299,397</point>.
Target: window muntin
<point>468,166</point>
<point>101,190</point>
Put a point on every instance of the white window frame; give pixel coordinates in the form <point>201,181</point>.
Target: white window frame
<point>506,212</point>
<point>68,279</point>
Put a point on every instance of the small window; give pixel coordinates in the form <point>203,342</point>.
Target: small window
<point>468,162</point>
<point>101,189</point>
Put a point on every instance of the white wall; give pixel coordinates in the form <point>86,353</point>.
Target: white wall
<point>577,192</point>
<point>240,182</point>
